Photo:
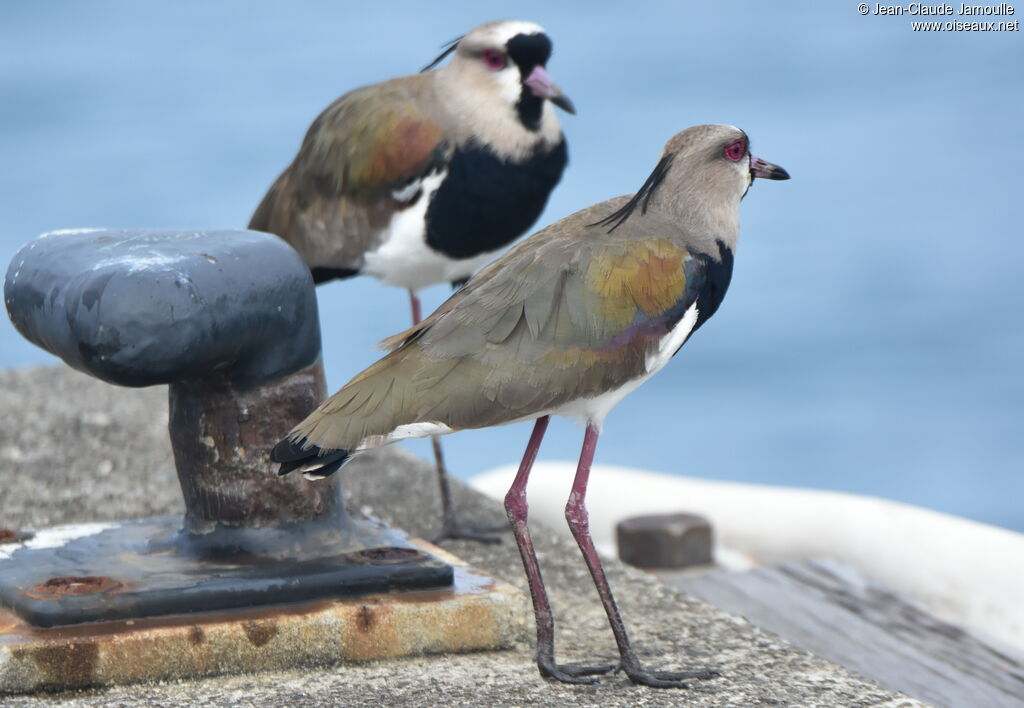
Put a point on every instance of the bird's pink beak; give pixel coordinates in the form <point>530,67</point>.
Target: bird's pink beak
<point>540,83</point>
<point>766,170</point>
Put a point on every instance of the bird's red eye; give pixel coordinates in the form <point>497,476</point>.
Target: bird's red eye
<point>494,59</point>
<point>736,149</point>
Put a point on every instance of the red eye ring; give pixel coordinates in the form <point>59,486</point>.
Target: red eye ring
<point>493,59</point>
<point>736,149</point>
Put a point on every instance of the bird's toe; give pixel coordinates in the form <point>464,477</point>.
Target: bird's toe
<point>668,679</point>
<point>573,673</point>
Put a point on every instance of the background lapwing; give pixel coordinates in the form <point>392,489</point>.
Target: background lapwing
<point>567,322</point>
<point>424,178</point>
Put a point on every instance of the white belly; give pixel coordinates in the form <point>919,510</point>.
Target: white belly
<point>405,260</point>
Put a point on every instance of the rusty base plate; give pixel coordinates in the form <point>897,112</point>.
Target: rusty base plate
<point>130,570</point>
<point>477,612</point>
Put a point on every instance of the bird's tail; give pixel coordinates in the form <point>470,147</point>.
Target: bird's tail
<point>314,462</point>
<point>359,416</point>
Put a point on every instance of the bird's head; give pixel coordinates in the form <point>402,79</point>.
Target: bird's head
<point>710,168</point>
<point>715,161</point>
<point>703,174</point>
<point>508,60</point>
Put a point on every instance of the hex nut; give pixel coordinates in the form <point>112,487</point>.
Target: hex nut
<point>665,540</point>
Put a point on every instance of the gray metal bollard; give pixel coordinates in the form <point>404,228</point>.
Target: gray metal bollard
<point>227,319</point>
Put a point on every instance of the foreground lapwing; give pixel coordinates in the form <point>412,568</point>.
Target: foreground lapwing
<point>422,179</point>
<point>566,323</point>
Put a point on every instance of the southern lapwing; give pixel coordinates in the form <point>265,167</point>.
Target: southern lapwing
<point>424,178</point>
<point>567,322</point>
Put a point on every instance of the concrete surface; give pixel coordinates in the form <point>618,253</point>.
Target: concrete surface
<point>962,571</point>
<point>73,449</point>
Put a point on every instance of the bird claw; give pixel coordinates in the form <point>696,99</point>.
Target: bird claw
<point>573,673</point>
<point>667,679</point>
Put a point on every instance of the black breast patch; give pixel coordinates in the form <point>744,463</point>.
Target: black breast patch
<point>708,280</point>
<point>486,202</point>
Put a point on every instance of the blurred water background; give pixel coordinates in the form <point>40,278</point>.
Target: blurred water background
<point>872,338</point>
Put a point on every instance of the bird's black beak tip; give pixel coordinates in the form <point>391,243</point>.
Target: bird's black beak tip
<point>766,170</point>
<point>565,104</point>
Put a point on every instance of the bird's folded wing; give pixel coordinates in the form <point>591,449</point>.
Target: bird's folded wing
<point>361,160</point>
<point>369,140</point>
<point>555,320</point>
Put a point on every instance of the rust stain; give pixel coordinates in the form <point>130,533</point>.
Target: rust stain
<point>64,665</point>
<point>365,619</point>
<point>203,620</point>
<point>72,585</point>
<point>11,536</point>
<point>260,632</point>
<point>372,627</point>
<point>371,632</point>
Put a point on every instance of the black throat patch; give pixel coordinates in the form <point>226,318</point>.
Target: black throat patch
<point>486,201</point>
<point>529,51</point>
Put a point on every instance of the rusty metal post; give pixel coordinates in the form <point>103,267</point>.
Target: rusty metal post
<point>220,436</point>
<point>228,319</point>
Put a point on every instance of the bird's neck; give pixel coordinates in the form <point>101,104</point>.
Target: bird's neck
<point>700,223</point>
<point>478,112</point>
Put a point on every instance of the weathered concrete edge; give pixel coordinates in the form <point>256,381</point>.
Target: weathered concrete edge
<point>481,613</point>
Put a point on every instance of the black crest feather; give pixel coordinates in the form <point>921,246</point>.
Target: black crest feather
<point>448,47</point>
<point>643,195</point>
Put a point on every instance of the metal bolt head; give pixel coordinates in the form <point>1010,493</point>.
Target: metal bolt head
<point>665,540</point>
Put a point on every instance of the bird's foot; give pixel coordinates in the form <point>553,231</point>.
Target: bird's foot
<point>666,679</point>
<point>572,673</point>
<point>453,529</point>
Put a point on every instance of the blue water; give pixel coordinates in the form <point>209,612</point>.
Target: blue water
<point>873,335</point>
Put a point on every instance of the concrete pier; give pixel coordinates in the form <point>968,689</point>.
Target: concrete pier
<point>73,450</point>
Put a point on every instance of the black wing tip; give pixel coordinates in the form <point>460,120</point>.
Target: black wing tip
<point>644,194</point>
<point>291,450</point>
<point>313,461</point>
<point>326,274</point>
<point>447,48</point>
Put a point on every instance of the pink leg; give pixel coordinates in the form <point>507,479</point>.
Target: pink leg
<point>450,526</point>
<point>579,523</point>
<point>414,301</point>
<point>516,507</point>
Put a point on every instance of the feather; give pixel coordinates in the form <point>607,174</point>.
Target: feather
<point>312,461</point>
<point>645,193</point>
<point>448,47</point>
